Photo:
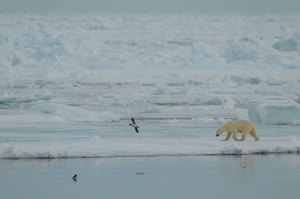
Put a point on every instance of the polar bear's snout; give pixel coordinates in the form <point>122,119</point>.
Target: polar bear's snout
<point>217,134</point>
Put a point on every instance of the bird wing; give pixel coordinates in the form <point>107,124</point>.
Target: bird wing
<point>136,129</point>
<point>133,122</point>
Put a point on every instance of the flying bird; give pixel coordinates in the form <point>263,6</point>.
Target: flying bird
<point>74,178</point>
<point>134,125</point>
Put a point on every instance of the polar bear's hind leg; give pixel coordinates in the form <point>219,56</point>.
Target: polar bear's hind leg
<point>253,133</point>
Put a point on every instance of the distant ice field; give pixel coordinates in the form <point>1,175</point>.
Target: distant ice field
<point>91,68</point>
<point>70,84</point>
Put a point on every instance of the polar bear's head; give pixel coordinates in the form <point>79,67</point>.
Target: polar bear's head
<point>220,130</point>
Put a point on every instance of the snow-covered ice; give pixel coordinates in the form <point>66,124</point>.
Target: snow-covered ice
<point>71,71</point>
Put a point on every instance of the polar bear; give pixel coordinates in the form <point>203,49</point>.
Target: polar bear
<point>233,127</point>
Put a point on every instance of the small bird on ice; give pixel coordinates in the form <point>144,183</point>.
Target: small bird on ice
<point>134,125</point>
<point>74,178</point>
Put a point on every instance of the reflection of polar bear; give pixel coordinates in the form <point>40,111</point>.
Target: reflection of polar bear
<point>237,126</point>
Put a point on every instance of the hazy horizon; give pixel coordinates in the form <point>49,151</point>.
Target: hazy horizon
<point>154,6</point>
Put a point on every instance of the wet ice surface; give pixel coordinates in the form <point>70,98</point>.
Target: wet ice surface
<point>271,176</point>
<point>156,138</point>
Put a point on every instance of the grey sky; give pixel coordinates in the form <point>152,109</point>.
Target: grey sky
<point>150,6</point>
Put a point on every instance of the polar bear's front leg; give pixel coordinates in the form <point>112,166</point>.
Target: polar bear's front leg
<point>234,136</point>
<point>244,134</point>
<point>228,136</point>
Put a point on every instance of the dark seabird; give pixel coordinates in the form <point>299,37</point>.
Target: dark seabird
<point>133,124</point>
<point>75,178</point>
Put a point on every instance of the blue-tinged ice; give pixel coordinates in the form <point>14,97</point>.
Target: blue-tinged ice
<point>69,84</point>
<point>275,113</point>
